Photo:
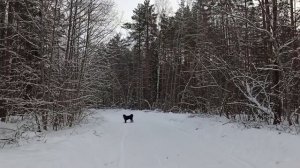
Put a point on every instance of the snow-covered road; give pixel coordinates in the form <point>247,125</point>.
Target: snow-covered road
<point>157,140</point>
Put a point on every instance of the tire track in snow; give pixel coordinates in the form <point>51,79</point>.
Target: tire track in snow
<point>241,162</point>
<point>159,161</point>
<point>122,150</point>
<point>165,138</point>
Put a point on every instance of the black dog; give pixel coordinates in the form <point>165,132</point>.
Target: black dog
<point>130,117</point>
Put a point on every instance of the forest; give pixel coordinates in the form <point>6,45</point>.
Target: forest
<point>235,58</point>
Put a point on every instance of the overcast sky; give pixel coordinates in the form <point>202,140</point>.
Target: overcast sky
<point>125,7</point>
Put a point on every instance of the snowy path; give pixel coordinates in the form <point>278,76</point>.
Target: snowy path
<point>157,140</point>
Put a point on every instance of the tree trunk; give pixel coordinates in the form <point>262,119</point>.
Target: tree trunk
<point>276,73</point>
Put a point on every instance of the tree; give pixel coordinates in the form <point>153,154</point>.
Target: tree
<point>143,31</point>
<point>45,52</point>
<point>122,69</point>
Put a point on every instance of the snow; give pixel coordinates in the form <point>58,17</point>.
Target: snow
<point>156,140</point>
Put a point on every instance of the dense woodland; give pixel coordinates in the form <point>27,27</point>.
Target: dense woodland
<point>237,58</point>
<point>232,57</point>
<point>50,65</point>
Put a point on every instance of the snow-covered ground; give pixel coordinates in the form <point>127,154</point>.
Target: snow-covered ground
<point>156,140</point>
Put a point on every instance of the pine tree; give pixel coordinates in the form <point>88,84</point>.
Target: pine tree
<point>143,31</point>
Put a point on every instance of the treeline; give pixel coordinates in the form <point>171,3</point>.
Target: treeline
<point>50,59</point>
<point>235,58</point>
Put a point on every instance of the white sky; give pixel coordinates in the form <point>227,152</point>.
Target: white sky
<point>125,7</point>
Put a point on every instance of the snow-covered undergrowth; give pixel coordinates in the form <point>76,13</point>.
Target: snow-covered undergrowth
<point>253,121</point>
<point>15,130</point>
<point>156,140</point>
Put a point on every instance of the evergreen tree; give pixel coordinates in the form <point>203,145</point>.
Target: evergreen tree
<point>143,31</point>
